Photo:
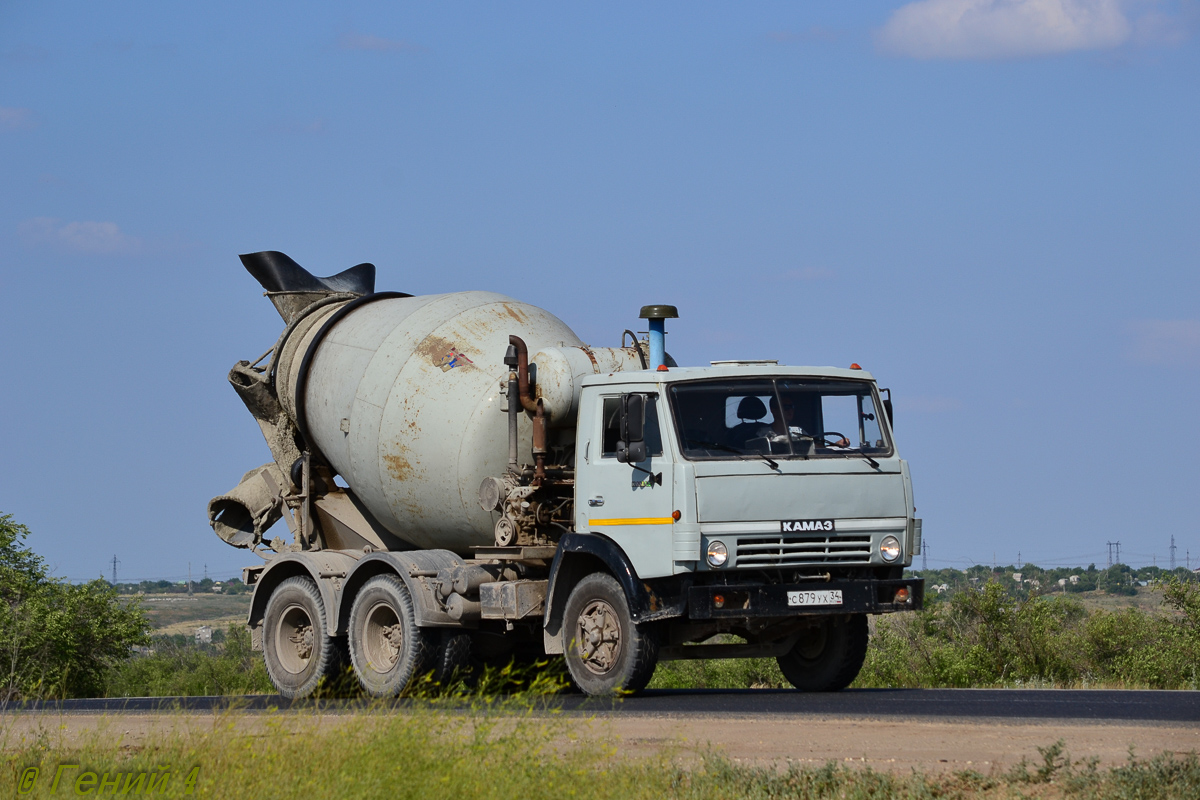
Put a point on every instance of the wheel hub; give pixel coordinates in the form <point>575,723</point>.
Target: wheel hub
<point>295,639</point>
<point>391,639</point>
<point>383,637</point>
<point>302,639</point>
<point>599,637</point>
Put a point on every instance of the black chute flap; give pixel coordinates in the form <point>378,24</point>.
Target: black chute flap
<point>292,288</point>
<point>279,273</point>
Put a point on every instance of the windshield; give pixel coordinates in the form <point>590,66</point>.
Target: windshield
<point>789,417</point>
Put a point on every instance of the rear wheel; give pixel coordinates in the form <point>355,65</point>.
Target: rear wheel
<point>606,652</point>
<point>296,646</point>
<point>827,656</point>
<point>387,647</point>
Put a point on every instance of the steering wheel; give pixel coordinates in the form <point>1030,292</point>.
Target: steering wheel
<point>842,441</point>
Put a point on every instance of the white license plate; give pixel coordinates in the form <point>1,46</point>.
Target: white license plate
<point>831,597</point>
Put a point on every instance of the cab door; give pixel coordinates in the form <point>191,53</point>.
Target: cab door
<point>631,504</point>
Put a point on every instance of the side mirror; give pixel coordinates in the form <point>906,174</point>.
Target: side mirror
<point>887,405</point>
<point>631,449</point>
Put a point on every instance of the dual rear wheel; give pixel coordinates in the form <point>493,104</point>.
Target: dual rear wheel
<point>384,643</point>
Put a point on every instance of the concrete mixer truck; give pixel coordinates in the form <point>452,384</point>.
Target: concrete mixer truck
<point>463,478</point>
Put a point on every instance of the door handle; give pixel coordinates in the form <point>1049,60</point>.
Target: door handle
<point>596,501</point>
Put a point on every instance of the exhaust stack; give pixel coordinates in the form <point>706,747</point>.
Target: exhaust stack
<point>658,316</point>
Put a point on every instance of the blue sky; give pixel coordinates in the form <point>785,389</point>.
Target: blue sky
<point>993,206</point>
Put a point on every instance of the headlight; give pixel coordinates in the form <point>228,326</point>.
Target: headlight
<point>717,554</point>
<point>889,548</point>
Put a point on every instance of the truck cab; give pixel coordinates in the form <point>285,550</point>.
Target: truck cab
<point>763,501</point>
<point>745,469</point>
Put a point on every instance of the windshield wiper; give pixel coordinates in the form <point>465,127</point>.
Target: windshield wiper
<point>772,463</point>
<point>870,460</point>
<point>852,451</point>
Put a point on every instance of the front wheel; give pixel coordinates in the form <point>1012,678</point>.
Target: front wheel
<point>296,646</point>
<point>827,656</point>
<point>606,652</point>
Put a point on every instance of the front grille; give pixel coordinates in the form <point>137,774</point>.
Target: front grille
<point>789,550</point>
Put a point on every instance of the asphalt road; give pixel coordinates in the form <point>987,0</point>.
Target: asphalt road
<point>946,704</point>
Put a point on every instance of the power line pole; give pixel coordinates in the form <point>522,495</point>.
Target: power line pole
<point>189,579</point>
<point>1172,552</point>
<point>115,562</point>
<point>1018,559</point>
<point>206,572</point>
<point>924,555</point>
<point>1110,544</point>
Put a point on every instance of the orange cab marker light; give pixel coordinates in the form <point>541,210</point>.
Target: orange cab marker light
<point>855,366</point>
<point>675,515</point>
<point>663,368</point>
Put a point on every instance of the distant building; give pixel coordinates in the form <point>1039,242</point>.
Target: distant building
<point>204,634</point>
<point>1074,579</point>
<point>1017,576</point>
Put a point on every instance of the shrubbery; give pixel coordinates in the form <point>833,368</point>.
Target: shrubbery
<point>57,639</point>
<point>177,666</point>
<point>986,637</point>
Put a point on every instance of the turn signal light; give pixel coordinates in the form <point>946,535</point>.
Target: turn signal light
<point>718,601</point>
<point>675,515</point>
<point>901,595</point>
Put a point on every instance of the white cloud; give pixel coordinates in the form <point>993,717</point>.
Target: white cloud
<point>98,238</point>
<point>358,41</point>
<point>982,29</point>
<point>12,119</point>
<point>1164,342</point>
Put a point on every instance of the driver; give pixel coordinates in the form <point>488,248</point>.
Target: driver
<point>787,425</point>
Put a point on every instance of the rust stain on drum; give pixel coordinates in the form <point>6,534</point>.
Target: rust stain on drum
<point>515,313</point>
<point>398,467</point>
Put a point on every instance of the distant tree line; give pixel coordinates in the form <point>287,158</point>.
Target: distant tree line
<point>1119,579</point>
<point>203,586</point>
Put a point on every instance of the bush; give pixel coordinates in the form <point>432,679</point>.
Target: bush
<point>57,639</point>
<point>986,637</point>
<point>178,667</point>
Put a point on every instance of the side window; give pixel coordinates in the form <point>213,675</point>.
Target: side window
<point>611,413</point>
<point>612,426</point>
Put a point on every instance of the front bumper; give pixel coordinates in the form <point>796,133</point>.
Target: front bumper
<point>743,601</point>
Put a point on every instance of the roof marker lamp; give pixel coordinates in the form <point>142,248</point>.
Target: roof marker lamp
<point>889,548</point>
<point>717,554</point>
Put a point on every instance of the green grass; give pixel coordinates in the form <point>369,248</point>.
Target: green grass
<point>508,750</point>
